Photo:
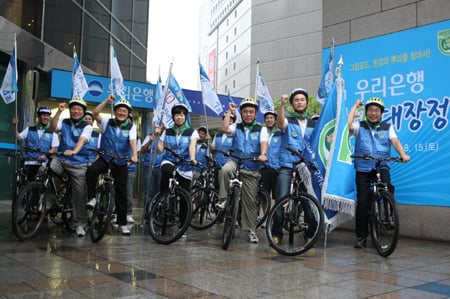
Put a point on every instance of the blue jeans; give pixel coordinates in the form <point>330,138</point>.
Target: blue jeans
<point>130,190</point>
<point>283,187</point>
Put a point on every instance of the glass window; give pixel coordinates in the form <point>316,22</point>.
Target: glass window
<point>95,54</point>
<point>62,25</point>
<point>98,12</point>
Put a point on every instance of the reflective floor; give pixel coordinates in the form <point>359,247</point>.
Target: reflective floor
<point>60,265</point>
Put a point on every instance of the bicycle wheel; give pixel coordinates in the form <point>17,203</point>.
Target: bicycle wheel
<point>231,214</point>
<point>204,213</point>
<point>263,203</point>
<point>101,216</point>
<point>28,211</point>
<point>385,224</point>
<point>300,220</point>
<point>170,215</point>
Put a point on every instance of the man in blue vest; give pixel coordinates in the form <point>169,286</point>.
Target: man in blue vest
<point>75,132</point>
<point>250,140</point>
<point>296,131</point>
<point>119,138</point>
<point>373,137</point>
<point>37,137</point>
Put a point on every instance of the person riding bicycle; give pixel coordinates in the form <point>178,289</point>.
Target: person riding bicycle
<point>119,138</point>
<point>183,140</point>
<point>296,131</point>
<point>269,173</point>
<point>373,137</point>
<point>37,137</point>
<point>250,140</point>
<point>75,133</point>
<point>94,141</point>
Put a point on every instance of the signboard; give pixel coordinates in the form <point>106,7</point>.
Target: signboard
<point>412,78</point>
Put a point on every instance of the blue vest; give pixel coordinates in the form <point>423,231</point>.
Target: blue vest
<point>378,145</point>
<point>250,147</point>
<point>33,141</point>
<point>182,147</point>
<point>132,167</point>
<point>117,143</point>
<point>70,134</point>
<point>273,150</point>
<point>152,151</point>
<point>221,159</point>
<point>93,144</point>
<point>292,137</point>
<point>202,151</point>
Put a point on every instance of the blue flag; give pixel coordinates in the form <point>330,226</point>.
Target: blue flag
<point>116,75</point>
<point>209,95</point>
<point>173,95</point>
<point>327,81</point>
<point>9,88</point>
<point>329,149</point>
<point>263,94</point>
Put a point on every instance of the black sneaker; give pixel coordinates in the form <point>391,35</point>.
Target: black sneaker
<point>360,243</point>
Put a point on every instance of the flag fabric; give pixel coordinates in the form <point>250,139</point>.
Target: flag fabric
<point>237,114</point>
<point>327,81</point>
<point>9,88</point>
<point>329,145</point>
<point>263,94</point>
<point>116,76</point>
<point>159,97</point>
<point>79,83</point>
<point>209,95</point>
<point>173,95</point>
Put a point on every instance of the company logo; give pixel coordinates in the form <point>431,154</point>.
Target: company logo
<point>95,88</point>
<point>444,41</point>
<point>326,136</point>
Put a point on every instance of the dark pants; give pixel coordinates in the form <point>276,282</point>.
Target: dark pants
<point>269,178</point>
<point>120,175</point>
<point>363,193</point>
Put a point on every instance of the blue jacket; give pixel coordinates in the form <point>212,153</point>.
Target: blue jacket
<point>250,147</point>
<point>292,137</point>
<point>274,149</point>
<point>93,144</point>
<point>117,143</point>
<point>33,141</point>
<point>70,134</point>
<point>182,147</point>
<point>378,145</point>
<point>221,159</point>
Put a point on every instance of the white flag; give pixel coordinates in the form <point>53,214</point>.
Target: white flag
<point>79,83</point>
<point>9,88</point>
<point>116,76</point>
<point>263,94</point>
<point>209,95</point>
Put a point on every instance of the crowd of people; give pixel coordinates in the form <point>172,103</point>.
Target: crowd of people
<point>266,142</point>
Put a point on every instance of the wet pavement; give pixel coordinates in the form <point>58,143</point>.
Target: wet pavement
<point>61,265</point>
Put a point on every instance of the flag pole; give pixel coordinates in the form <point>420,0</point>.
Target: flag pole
<point>256,81</point>
<point>165,93</point>
<point>111,49</point>
<point>204,107</point>
<point>15,100</point>
<point>332,53</point>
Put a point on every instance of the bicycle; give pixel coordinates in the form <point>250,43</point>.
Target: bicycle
<point>233,200</point>
<point>383,215</point>
<point>171,210</point>
<point>105,198</point>
<point>20,175</point>
<point>30,208</point>
<point>204,197</point>
<point>299,214</point>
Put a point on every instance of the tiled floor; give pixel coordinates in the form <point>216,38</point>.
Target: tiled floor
<point>56,265</point>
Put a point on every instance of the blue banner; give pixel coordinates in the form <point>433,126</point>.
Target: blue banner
<point>412,80</point>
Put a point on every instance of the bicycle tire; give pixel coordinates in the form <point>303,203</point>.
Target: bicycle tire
<point>102,213</point>
<point>385,223</point>
<point>263,204</point>
<point>230,216</point>
<point>302,221</point>
<point>165,223</point>
<point>29,210</point>
<point>204,213</point>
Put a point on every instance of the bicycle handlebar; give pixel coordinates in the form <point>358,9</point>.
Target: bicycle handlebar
<point>299,154</point>
<point>180,158</point>
<point>379,159</point>
<point>102,151</point>
<point>241,158</point>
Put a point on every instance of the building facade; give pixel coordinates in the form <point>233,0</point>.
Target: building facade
<point>47,32</point>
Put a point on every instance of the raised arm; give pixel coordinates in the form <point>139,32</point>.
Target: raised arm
<point>99,108</point>
<point>352,115</point>
<point>282,110</point>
